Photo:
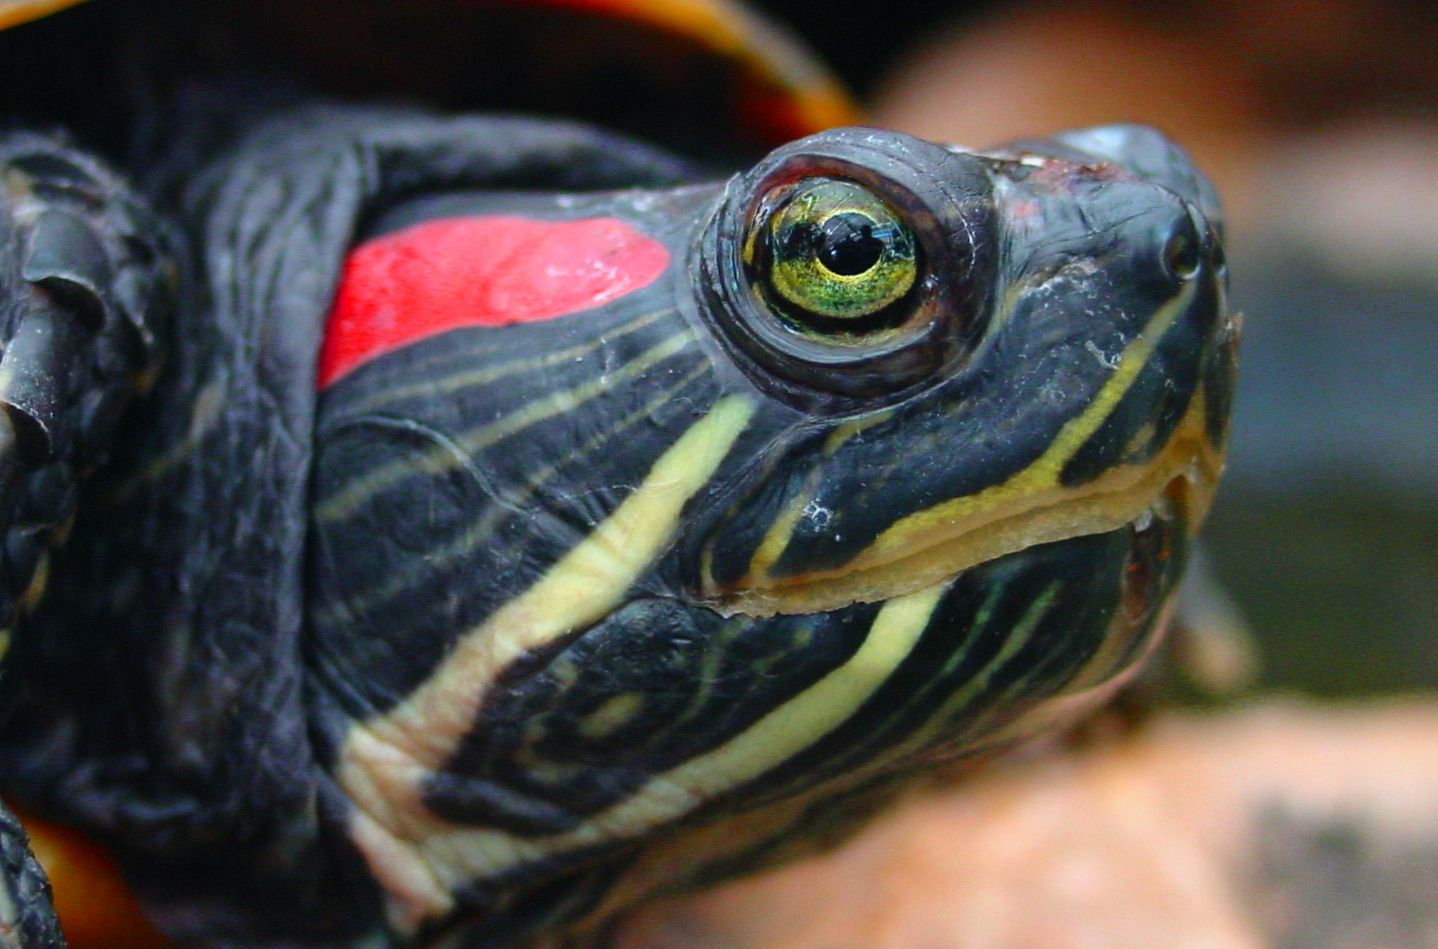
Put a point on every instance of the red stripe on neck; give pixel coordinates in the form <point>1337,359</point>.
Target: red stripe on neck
<point>449,273</point>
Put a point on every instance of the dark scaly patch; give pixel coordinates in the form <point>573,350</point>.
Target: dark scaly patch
<point>1219,370</point>
<point>86,284</point>
<point>905,464</point>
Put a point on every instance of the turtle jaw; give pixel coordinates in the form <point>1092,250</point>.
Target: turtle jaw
<point>935,545</point>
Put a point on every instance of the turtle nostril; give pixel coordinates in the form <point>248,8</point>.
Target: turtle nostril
<point>1183,249</point>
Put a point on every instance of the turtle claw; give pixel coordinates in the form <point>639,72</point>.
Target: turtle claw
<point>67,258</point>
<point>34,372</point>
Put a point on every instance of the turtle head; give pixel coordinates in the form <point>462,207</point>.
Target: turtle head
<point>984,407</point>
<point>892,457</point>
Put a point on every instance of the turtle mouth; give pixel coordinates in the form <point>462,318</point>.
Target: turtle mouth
<point>1177,485</point>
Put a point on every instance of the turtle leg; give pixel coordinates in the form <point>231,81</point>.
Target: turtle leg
<point>85,280</point>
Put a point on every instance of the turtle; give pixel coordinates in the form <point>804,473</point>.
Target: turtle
<point>437,527</point>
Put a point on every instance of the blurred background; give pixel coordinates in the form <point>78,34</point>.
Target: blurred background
<point>1318,119</point>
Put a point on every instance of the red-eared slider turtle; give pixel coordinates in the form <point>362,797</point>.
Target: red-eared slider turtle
<point>522,520</point>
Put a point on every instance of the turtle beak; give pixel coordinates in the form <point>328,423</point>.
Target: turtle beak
<point>1150,155</point>
<point>1147,154</point>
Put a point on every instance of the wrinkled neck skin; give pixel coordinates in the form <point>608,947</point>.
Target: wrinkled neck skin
<point>575,596</point>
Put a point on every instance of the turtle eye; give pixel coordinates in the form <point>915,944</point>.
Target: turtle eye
<point>1183,249</point>
<point>850,267</point>
<point>832,259</point>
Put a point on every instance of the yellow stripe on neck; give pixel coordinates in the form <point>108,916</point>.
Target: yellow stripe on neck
<point>385,762</point>
<point>456,855</point>
<point>349,498</point>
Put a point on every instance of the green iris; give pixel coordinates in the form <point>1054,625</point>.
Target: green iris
<point>838,252</point>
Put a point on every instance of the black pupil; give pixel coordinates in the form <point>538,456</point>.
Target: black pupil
<point>847,245</point>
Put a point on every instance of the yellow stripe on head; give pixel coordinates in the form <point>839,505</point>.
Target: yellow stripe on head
<point>1031,507</point>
